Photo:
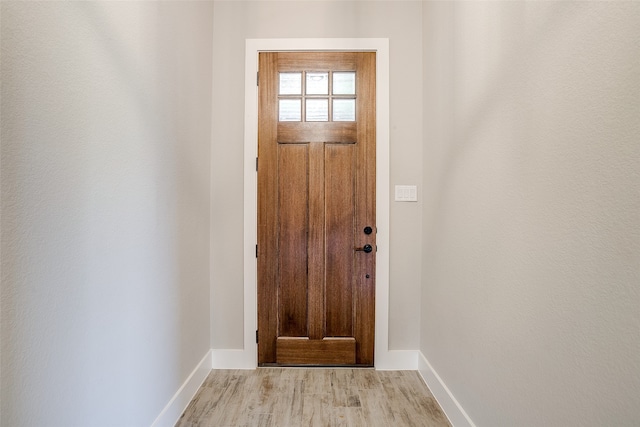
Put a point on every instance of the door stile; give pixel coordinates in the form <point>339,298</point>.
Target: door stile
<point>267,202</point>
<point>365,267</point>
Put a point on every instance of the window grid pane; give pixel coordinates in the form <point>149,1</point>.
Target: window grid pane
<point>344,110</point>
<point>317,83</point>
<point>317,110</point>
<point>290,110</point>
<point>290,84</point>
<point>344,83</point>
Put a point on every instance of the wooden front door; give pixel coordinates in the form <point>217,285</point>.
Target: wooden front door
<point>316,208</point>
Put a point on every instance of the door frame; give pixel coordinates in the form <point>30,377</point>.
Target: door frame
<point>384,359</point>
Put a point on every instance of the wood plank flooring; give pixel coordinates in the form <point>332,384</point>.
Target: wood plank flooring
<point>292,397</point>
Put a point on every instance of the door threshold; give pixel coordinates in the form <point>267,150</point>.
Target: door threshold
<point>279,365</point>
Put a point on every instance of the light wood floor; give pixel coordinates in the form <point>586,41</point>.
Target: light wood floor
<point>287,397</point>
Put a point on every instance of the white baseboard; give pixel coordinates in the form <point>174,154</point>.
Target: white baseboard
<point>451,407</point>
<point>391,360</point>
<point>234,359</point>
<point>179,402</point>
<point>396,360</point>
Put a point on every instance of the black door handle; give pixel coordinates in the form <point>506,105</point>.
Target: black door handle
<point>366,248</point>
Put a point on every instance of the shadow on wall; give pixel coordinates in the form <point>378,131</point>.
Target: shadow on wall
<point>105,208</point>
<point>531,236</point>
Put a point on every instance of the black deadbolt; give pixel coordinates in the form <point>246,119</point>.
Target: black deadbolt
<point>368,230</point>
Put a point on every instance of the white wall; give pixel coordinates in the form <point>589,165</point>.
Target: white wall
<point>105,208</point>
<point>531,259</point>
<point>234,22</point>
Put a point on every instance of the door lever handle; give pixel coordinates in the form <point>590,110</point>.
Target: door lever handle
<point>366,248</point>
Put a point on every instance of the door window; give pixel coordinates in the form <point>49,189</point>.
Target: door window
<point>327,96</point>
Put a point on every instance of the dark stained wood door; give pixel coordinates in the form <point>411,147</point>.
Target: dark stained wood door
<point>316,208</point>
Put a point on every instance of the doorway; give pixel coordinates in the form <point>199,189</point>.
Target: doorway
<point>316,208</point>
<point>246,357</point>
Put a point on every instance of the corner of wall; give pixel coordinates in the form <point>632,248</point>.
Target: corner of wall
<point>234,359</point>
<point>447,401</point>
<point>179,402</point>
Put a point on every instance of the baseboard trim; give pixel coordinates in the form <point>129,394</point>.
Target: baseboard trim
<point>179,402</point>
<point>234,359</point>
<point>396,360</point>
<point>390,360</point>
<point>451,407</point>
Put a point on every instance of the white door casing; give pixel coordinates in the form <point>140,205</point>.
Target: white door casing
<point>247,357</point>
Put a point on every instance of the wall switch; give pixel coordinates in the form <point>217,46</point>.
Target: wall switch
<point>406,193</point>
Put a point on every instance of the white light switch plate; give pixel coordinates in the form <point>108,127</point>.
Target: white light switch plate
<point>406,193</point>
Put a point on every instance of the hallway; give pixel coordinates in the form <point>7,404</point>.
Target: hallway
<point>127,255</point>
<point>313,397</point>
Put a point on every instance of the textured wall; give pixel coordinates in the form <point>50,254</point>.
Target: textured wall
<point>234,22</point>
<point>105,208</point>
<point>531,296</point>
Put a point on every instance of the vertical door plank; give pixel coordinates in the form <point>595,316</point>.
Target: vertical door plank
<point>267,207</point>
<point>339,218</point>
<point>293,208</point>
<point>364,316</point>
<point>364,296</point>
